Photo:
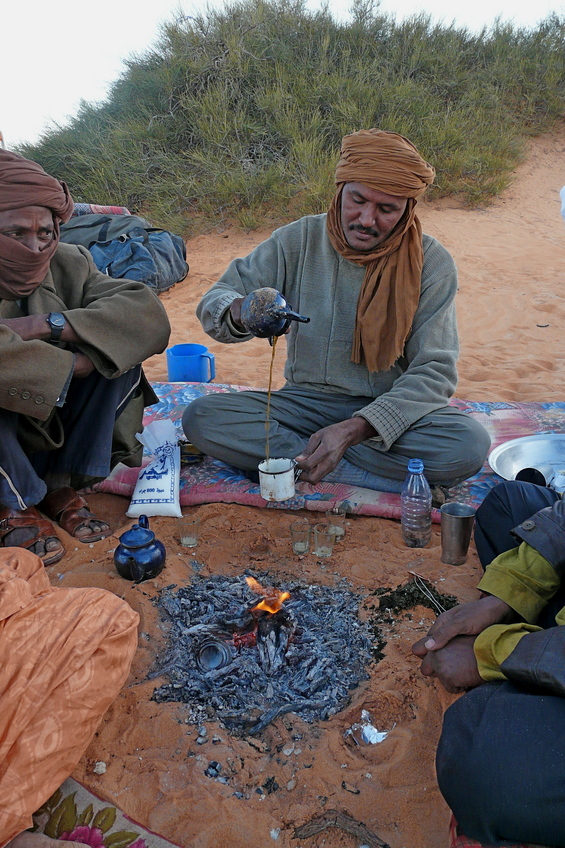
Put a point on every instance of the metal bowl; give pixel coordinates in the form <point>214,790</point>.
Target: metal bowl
<point>545,452</point>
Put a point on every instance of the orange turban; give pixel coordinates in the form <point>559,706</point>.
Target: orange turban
<point>25,183</point>
<point>389,296</point>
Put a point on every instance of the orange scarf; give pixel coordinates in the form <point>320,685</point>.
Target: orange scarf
<point>25,183</point>
<point>390,293</point>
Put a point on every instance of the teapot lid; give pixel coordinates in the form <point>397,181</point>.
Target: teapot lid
<point>137,536</point>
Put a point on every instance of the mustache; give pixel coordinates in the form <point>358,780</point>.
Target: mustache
<point>366,230</point>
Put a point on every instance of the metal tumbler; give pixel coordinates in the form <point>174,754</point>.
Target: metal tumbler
<point>457,521</point>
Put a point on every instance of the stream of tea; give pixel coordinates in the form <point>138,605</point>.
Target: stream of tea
<point>268,412</point>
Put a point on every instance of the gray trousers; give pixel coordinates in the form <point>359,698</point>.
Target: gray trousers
<point>231,427</point>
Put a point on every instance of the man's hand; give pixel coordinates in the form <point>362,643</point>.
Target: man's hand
<point>83,365</point>
<point>326,447</point>
<point>455,666</point>
<point>235,315</point>
<point>468,619</point>
<point>29,327</point>
<point>235,312</point>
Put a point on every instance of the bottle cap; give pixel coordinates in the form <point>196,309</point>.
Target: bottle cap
<point>415,466</point>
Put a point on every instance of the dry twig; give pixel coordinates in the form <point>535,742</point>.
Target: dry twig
<point>334,818</point>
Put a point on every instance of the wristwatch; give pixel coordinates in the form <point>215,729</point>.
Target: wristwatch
<point>57,322</point>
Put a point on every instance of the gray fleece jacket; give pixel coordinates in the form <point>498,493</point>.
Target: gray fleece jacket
<point>301,263</point>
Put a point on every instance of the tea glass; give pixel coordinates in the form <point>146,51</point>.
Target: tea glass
<point>189,529</point>
<point>336,518</point>
<point>300,532</point>
<point>323,540</point>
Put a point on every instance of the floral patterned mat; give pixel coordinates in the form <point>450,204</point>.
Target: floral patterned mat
<point>211,481</point>
<point>75,814</point>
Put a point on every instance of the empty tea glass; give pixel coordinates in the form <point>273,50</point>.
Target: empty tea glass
<point>300,535</point>
<point>323,540</point>
<point>336,518</point>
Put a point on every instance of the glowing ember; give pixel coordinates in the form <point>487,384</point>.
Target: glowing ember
<point>245,640</point>
<point>272,599</point>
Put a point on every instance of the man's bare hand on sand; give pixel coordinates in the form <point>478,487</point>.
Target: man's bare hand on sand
<point>447,650</point>
<point>468,619</point>
<point>455,666</point>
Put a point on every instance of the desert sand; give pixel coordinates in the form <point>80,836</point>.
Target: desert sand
<point>511,260</point>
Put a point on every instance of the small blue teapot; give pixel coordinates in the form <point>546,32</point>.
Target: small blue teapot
<point>265,313</point>
<point>139,556</point>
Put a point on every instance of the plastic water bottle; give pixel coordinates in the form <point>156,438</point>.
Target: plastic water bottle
<point>416,507</point>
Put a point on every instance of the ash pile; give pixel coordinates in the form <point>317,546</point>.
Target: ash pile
<point>301,649</point>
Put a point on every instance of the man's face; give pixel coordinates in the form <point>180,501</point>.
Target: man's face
<point>368,216</point>
<point>31,226</point>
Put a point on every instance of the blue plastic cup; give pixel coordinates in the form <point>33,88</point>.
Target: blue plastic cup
<point>190,363</point>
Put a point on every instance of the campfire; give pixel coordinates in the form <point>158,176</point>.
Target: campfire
<point>273,599</point>
<point>300,648</point>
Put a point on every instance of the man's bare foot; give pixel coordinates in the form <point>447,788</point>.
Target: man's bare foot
<point>39,840</point>
<point>92,526</point>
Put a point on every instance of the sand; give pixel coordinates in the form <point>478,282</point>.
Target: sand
<point>511,257</point>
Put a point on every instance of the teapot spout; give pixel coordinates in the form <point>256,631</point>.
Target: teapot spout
<point>290,315</point>
<point>136,570</point>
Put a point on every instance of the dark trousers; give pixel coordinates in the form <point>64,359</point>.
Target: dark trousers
<point>501,765</point>
<point>501,757</point>
<point>86,431</point>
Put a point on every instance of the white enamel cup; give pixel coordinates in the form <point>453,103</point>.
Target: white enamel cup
<point>277,477</point>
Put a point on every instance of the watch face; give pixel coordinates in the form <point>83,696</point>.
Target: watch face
<point>56,319</point>
<point>57,322</point>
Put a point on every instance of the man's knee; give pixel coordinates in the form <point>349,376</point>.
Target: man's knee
<point>482,441</point>
<point>513,501</point>
<point>203,420</point>
<point>475,447</point>
<point>452,444</point>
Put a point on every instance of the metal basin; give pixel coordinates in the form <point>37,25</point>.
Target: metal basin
<point>545,453</point>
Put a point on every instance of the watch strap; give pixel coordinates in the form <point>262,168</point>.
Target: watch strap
<point>57,322</point>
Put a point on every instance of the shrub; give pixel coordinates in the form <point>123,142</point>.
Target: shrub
<point>238,113</point>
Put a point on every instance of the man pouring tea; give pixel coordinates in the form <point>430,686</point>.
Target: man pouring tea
<point>369,378</point>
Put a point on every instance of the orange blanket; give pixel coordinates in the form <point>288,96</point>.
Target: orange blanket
<point>64,655</point>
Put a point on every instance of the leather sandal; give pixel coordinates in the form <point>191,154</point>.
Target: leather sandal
<point>63,505</point>
<point>39,528</point>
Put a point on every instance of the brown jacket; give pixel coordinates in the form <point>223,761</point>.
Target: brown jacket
<point>121,323</point>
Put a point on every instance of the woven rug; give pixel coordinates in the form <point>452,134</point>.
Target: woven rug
<point>76,814</point>
<point>213,481</point>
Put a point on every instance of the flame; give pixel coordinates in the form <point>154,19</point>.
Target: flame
<point>272,598</point>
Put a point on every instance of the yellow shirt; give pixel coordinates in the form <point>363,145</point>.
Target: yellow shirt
<point>526,581</point>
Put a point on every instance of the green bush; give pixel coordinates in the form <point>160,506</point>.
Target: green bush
<point>238,113</point>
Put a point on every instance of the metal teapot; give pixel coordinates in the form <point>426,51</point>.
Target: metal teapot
<point>265,313</point>
<point>139,556</point>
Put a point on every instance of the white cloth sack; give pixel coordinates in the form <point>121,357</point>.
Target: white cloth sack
<point>157,489</point>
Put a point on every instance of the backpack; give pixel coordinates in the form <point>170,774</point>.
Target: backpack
<point>128,246</point>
